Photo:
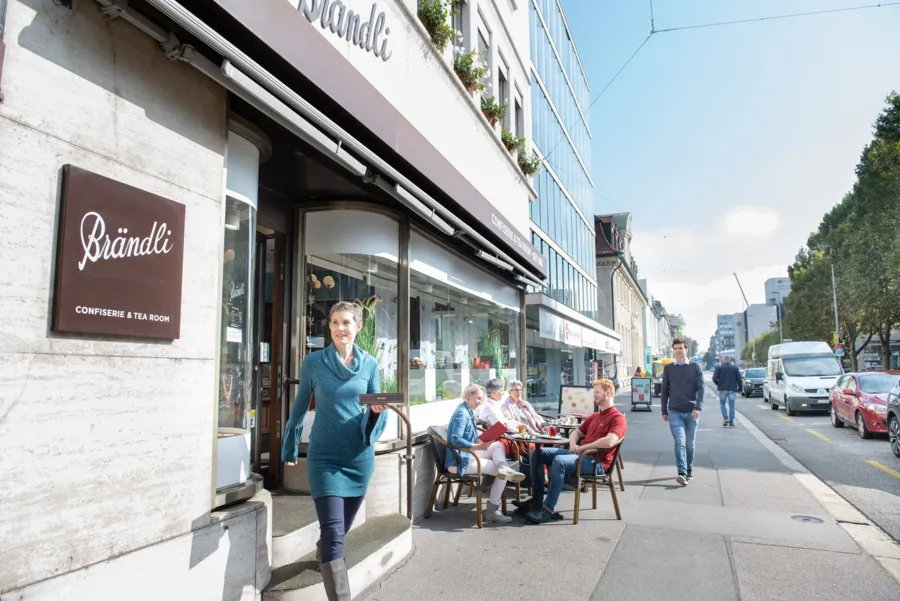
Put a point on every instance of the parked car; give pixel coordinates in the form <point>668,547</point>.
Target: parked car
<point>800,375</point>
<point>754,378</point>
<point>893,418</point>
<point>861,399</point>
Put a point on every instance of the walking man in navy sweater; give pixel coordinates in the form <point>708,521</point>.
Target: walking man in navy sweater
<point>682,402</point>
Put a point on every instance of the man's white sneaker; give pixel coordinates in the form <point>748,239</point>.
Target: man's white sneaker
<point>682,479</point>
<point>507,473</point>
<point>493,514</point>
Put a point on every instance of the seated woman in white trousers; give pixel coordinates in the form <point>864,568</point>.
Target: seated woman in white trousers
<point>462,433</point>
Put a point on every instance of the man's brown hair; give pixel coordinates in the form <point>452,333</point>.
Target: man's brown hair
<point>607,385</point>
<point>678,341</point>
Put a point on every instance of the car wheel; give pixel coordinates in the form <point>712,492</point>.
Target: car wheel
<point>894,435</point>
<point>861,426</point>
<point>774,405</point>
<point>835,420</point>
<point>787,408</point>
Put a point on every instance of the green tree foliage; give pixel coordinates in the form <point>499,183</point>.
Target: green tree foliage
<point>861,237</point>
<point>759,348</point>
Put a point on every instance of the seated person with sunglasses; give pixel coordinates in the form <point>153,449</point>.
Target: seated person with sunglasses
<point>602,430</point>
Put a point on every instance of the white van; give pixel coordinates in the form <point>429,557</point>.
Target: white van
<point>800,376</point>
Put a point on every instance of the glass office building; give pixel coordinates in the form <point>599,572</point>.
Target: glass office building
<point>565,343</point>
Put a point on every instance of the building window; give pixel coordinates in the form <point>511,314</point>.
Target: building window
<point>343,266</point>
<point>464,329</point>
<point>503,91</point>
<point>518,122</point>
<point>484,49</point>
<point>459,20</point>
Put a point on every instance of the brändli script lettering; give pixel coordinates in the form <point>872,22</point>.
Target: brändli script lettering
<point>337,17</point>
<point>99,246</point>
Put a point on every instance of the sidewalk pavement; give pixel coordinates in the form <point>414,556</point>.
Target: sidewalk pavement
<point>731,534</point>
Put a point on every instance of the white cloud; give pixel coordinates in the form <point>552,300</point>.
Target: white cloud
<point>754,222</point>
<point>691,270</point>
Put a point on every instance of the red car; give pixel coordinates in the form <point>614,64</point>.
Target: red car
<point>860,399</point>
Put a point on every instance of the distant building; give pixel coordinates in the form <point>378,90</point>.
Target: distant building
<point>777,289</point>
<point>621,299</point>
<point>731,335</point>
<point>760,319</point>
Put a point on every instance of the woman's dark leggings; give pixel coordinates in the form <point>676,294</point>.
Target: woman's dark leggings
<point>335,519</point>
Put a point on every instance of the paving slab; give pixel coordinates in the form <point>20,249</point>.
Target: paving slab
<point>738,521</point>
<point>455,561</point>
<point>674,565</point>
<point>810,575</point>
<point>781,490</point>
<point>703,489</point>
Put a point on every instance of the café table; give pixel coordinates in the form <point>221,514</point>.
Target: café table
<point>536,467</point>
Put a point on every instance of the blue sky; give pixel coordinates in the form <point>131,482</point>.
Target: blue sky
<point>728,144</point>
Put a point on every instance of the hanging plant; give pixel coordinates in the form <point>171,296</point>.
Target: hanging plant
<point>492,110</point>
<point>434,15</point>
<point>471,69</point>
<point>510,140</point>
<point>528,164</point>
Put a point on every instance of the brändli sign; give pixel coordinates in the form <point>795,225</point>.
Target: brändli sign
<point>119,259</point>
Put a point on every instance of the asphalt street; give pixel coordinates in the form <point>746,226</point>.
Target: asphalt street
<point>864,472</point>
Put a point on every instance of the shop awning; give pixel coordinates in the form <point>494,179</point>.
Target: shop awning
<point>268,38</point>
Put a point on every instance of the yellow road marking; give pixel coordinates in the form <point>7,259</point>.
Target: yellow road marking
<point>817,435</point>
<point>785,418</point>
<point>894,473</point>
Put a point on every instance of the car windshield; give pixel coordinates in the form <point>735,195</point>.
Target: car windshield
<point>877,383</point>
<point>756,373</point>
<point>801,367</point>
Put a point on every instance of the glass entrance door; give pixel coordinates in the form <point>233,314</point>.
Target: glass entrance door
<point>271,354</point>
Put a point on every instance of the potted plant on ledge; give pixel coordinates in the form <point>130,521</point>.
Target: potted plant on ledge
<point>492,111</point>
<point>434,15</point>
<point>528,164</point>
<point>471,69</point>
<point>510,140</point>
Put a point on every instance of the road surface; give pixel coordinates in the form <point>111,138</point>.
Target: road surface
<point>864,472</point>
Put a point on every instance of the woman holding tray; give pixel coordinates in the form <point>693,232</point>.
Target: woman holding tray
<point>341,455</point>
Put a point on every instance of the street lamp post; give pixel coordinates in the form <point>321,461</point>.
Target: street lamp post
<point>837,323</point>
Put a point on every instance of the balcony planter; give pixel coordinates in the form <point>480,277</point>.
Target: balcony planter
<point>492,111</point>
<point>510,141</point>
<point>434,15</point>
<point>528,165</point>
<point>471,69</point>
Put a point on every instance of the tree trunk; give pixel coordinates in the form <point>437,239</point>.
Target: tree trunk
<point>853,333</point>
<point>884,336</point>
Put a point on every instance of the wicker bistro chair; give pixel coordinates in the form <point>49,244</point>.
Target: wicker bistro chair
<point>594,478</point>
<point>440,448</point>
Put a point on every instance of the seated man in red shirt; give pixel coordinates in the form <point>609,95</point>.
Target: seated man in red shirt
<point>602,430</point>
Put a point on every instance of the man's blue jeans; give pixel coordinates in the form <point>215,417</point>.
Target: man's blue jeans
<point>727,397</point>
<point>561,462</point>
<point>684,431</point>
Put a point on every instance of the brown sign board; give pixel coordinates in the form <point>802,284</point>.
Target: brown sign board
<point>119,259</point>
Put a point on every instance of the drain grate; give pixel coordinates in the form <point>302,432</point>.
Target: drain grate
<point>807,519</point>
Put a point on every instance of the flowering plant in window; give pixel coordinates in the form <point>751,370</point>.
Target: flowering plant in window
<point>492,110</point>
<point>471,68</point>
<point>510,140</point>
<point>528,164</point>
<point>434,15</point>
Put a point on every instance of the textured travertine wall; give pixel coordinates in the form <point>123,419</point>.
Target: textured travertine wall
<point>105,445</point>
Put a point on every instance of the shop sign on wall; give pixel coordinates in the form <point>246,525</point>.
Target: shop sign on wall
<point>367,31</point>
<point>119,259</point>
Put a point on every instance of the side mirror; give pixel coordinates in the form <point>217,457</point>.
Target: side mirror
<point>779,377</point>
<point>848,392</point>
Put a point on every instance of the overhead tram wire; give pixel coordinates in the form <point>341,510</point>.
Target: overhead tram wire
<point>653,31</point>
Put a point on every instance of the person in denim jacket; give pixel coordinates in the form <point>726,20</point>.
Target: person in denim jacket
<point>462,433</point>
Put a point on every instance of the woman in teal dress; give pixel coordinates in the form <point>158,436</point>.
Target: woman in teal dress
<point>341,455</point>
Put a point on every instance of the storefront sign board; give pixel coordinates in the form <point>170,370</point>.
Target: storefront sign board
<point>119,259</point>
